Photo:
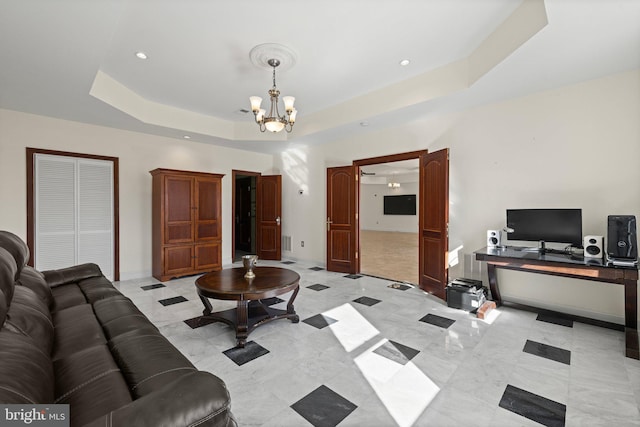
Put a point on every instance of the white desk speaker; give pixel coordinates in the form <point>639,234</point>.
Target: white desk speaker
<point>593,246</point>
<point>494,239</point>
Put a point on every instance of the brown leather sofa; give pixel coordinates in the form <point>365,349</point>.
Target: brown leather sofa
<point>69,336</point>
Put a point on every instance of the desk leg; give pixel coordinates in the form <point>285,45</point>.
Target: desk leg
<point>631,318</point>
<point>242,323</point>
<point>493,283</point>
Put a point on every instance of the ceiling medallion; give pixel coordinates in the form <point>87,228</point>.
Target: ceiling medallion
<point>273,55</point>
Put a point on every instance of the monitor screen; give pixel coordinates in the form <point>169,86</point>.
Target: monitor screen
<point>549,225</point>
<point>400,205</point>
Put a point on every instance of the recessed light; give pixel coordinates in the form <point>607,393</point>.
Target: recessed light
<point>141,55</point>
<point>186,137</point>
<point>364,124</point>
<point>404,62</point>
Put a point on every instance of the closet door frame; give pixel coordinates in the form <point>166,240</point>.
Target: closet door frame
<point>31,152</point>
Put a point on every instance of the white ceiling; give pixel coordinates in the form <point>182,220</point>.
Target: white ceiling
<point>75,59</point>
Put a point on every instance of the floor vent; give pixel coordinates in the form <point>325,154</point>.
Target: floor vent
<point>286,243</point>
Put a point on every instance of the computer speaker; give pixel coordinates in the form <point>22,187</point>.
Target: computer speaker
<point>622,240</point>
<point>593,246</point>
<point>494,239</point>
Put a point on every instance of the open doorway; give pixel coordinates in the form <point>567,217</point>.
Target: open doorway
<point>389,226</point>
<point>244,213</point>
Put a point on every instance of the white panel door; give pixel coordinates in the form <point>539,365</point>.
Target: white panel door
<point>73,212</point>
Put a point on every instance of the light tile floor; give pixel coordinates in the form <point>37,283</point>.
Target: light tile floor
<point>388,368</point>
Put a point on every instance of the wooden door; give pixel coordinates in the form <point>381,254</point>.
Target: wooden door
<point>178,209</point>
<point>434,222</point>
<point>269,212</point>
<point>342,219</point>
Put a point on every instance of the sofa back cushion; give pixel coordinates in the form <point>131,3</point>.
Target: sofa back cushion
<point>7,274</point>
<point>16,247</point>
<point>28,315</point>
<point>26,373</point>
<point>34,280</point>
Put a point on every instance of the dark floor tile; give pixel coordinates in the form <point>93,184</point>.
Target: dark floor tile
<point>548,352</point>
<point>288,262</point>
<point>152,286</point>
<point>319,321</point>
<point>353,276</point>
<point>316,268</point>
<point>537,408</point>
<point>174,300</point>
<point>397,352</point>
<point>199,321</point>
<point>367,301</point>
<point>549,318</point>
<point>318,287</point>
<point>271,301</point>
<point>436,320</point>
<point>324,407</point>
<point>251,351</point>
<point>399,286</point>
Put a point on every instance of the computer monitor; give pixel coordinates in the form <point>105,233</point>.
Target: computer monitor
<point>546,225</point>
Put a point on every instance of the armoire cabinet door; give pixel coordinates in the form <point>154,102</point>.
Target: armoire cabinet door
<point>207,256</point>
<point>207,215</point>
<point>178,209</point>
<point>178,259</point>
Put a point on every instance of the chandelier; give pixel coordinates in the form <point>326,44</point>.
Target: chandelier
<point>274,122</point>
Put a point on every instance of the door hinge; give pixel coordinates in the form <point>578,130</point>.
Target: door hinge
<point>356,175</point>
<point>356,255</point>
<point>356,216</point>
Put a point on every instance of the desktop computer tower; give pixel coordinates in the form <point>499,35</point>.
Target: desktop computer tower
<point>622,241</point>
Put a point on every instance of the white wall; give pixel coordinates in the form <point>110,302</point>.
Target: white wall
<point>138,154</point>
<point>576,146</point>
<point>372,208</point>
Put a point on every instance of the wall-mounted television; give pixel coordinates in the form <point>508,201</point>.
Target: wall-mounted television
<point>546,225</point>
<point>403,204</point>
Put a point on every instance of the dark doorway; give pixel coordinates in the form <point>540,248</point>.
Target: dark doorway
<point>244,215</point>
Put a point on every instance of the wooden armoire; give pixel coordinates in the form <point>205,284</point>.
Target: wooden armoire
<point>186,223</point>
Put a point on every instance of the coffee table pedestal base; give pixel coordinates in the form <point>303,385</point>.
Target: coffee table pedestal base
<point>248,315</point>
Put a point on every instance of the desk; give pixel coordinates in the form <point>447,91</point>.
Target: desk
<point>230,284</point>
<point>511,258</point>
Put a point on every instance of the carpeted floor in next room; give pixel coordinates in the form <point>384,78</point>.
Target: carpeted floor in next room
<point>369,354</point>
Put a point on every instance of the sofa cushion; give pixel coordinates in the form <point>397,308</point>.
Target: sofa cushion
<point>76,328</point>
<point>148,361</point>
<point>73,274</point>
<point>97,288</point>
<point>118,315</point>
<point>28,315</point>
<point>34,280</point>
<point>67,296</point>
<point>26,374</point>
<point>91,382</point>
<point>195,399</point>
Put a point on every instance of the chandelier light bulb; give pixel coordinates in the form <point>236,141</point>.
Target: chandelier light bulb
<point>274,126</point>
<point>255,103</point>
<point>260,115</point>
<point>292,116</point>
<point>288,103</point>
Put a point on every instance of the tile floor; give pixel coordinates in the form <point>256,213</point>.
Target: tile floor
<point>368,352</point>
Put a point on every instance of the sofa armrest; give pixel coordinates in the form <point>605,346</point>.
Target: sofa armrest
<point>71,274</point>
<point>195,399</point>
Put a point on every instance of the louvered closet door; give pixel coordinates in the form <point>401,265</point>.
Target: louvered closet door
<point>74,212</point>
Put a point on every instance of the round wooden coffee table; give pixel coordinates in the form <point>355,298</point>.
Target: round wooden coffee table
<point>251,312</point>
